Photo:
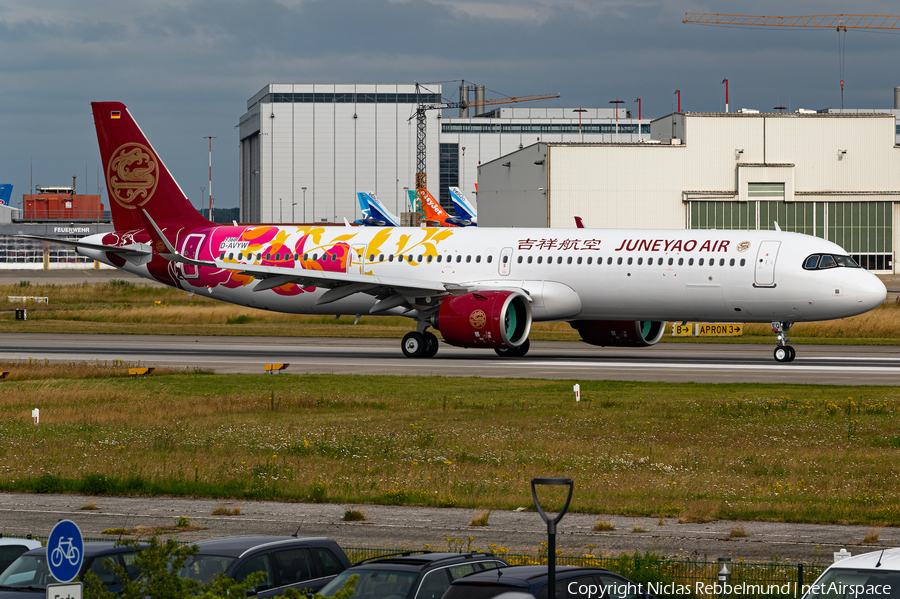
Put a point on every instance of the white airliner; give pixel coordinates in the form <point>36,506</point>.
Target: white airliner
<point>481,287</point>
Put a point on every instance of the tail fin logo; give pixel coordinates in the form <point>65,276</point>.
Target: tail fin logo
<point>132,174</point>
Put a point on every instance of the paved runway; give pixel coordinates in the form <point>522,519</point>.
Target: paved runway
<point>669,362</point>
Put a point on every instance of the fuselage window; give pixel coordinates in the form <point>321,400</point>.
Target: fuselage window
<point>428,259</point>
<point>530,258</point>
<point>640,261</point>
<point>277,257</point>
<point>372,259</point>
<point>721,261</point>
<point>296,256</point>
<point>231,255</point>
<point>743,262</point>
<point>629,261</point>
<point>700,262</point>
<point>390,257</point>
<point>268,256</point>
<point>590,259</point>
<point>540,259</point>
<point>315,257</point>
<point>478,259</point>
<point>691,261</point>
<point>519,260</point>
<point>459,258</point>
<point>490,259</point>
<point>569,260</point>
<point>671,260</point>
<point>609,260</point>
<point>380,257</point>
<point>468,259</point>
<point>681,262</point>
<point>222,256</point>
<point>731,263</point>
<point>419,259</point>
<point>400,257</point>
<point>240,255</point>
<point>306,256</point>
<point>439,258</point>
<point>559,260</point>
<point>619,260</point>
<point>409,258</point>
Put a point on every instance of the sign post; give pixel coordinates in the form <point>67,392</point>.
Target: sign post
<point>65,551</point>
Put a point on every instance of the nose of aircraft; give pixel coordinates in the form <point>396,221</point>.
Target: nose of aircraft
<point>871,292</point>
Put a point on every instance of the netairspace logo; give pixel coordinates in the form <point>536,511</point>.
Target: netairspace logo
<point>593,591</point>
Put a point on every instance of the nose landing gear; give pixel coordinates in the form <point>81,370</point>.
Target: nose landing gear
<point>783,351</point>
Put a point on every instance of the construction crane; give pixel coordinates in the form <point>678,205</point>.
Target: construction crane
<point>421,178</point>
<point>841,23</point>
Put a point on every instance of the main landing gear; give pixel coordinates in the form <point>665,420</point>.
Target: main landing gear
<point>783,351</point>
<point>419,345</point>
<point>513,352</point>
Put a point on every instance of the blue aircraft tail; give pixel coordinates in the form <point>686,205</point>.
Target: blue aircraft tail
<point>5,193</point>
<point>462,206</point>
<point>378,215</point>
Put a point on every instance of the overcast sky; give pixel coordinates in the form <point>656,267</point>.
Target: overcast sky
<point>186,69</point>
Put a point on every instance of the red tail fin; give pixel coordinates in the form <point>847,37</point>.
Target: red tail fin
<point>135,176</point>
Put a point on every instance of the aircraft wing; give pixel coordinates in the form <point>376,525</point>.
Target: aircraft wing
<point>134,250</point>
<point>391,291</point>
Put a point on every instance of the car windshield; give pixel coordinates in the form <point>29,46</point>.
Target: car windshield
<point>204,568</point>
<point>28,571</point>
<point>847,583</point>
<point>373,583</point>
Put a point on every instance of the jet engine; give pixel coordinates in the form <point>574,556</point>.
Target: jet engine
<point>620,333</point>
<point>490,319</point>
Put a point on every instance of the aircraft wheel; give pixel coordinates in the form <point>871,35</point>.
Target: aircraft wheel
<point>413,345</point>
<point>431,345</point>
<point>513,352</point>
<point>792,352</point>
<point>783,353</point>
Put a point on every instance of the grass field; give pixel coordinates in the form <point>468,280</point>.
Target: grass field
<point>792,453</point>
<point>124,308</point>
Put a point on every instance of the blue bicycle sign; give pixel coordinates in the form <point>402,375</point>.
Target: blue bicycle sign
<point>65,550</point>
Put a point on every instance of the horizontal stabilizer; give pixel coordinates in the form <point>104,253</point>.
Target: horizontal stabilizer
<point>134,249</point>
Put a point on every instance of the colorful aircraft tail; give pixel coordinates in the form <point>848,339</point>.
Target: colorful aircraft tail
<point>434,214</point>
<point>135,175</point>
<point>462,206</point>
<point>378,212</point>
<point>362,197</point>
<point>5,194</point>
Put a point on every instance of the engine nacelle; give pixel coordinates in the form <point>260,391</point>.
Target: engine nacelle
<point>620,333</point>
<point>485,319</point>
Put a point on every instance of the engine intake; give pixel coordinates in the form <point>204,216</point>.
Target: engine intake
<point>620,333</point>
<point>494,319</point>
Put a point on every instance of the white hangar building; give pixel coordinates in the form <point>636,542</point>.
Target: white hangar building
<point>306,149</point>
<point>835,176</point>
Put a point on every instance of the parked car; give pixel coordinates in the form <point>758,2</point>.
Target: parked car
<point>874,575</point>
<point>286,562</point>
<point>412,575</point>
<point>12,548</point>
<point>29,575</point>
<point>571,582</point>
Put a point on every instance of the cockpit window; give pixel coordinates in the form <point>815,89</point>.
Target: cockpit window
<point>821,261</point>
<point>846,261</point>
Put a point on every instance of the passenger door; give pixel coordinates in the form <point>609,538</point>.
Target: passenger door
<point>505,261</point>
<point>356,261</point>
<point>190,249</point>
<point>765,264</point>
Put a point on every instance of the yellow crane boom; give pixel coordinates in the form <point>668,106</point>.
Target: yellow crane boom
<point>836,21</point>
